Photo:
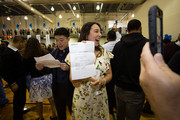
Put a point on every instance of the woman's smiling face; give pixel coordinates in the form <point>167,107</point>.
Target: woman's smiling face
<point>95,34</point>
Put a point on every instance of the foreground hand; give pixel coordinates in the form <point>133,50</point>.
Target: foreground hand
<point>39,66</point>
<point>161,85</point>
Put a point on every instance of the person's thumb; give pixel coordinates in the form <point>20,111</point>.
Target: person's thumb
<point>160,61</point>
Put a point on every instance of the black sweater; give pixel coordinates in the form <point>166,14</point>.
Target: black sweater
<point>174,63</point>
<point>31,69</point>
<point>126,61</point>
<point>11,66</point>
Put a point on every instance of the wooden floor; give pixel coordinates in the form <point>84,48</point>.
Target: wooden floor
<point>6,113</point>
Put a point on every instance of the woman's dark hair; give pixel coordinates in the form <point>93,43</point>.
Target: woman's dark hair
<point>85,30</point>
<point>33,49</point>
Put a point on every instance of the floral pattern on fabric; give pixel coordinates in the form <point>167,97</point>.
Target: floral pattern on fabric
<point>89,103</point>
<point>40,88</point>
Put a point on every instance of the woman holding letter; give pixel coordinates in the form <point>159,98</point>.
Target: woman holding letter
<point>40,85</point>
<point>90,100</point>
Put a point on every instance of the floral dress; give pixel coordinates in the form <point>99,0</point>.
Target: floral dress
<point>88,102</point>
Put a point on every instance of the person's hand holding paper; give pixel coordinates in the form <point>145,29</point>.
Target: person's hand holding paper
<point>47,61</point>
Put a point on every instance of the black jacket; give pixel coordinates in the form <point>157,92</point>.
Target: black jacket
<point>126,61</point>
<point>11,66</point>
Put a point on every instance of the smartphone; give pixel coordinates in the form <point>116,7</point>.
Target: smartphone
<point>155,29</point>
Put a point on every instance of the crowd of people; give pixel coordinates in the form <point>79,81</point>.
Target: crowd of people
<point>126,73</point>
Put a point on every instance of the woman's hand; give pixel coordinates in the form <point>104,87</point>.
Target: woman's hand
<point>100,81</point>
<point>77,83</point>
<point>39,66</point>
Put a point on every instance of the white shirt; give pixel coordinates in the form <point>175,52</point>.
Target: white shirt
<point>12,47</point>
<point>178,43</point>
<point>118,36</point>
<point>109,46</point>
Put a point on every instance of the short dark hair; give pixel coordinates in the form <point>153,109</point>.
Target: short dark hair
<point>85,30</point>
<point>62,31</point>
<point>111,36</point>
<point>134,25</point>
<point>18,39</point>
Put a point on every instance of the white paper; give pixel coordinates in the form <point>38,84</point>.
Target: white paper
<point>82,60</point>
<point>48,61</point>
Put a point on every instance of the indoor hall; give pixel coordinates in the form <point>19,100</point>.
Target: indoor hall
<point>40,19</point>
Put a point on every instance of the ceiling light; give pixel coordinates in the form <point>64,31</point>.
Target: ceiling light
<point>132,15</point>
<point>77,15</point>
<point>60,16</point>
<point>8,18</point>
<point>25,17</point>
<point>74,8</point>
<point>52,8</point>
<point>97,7</point>
<point>32,9</point>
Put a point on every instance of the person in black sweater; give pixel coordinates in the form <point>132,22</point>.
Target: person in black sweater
<point>40,85</point>
<point>126,70</point>
<point>12,71</point>
<point>174,63</point>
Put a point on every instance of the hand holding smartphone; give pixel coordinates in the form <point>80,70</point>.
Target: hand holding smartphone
<point>155,29</point>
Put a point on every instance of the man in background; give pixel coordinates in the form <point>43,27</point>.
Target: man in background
<point>126,71</point>
<point>12,71</point>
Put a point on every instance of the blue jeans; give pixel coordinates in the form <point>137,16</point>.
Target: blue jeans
<point>129,104</point>
<point>3,98</point>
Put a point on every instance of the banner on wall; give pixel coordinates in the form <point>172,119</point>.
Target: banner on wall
<point>30,26</point>
<point>58,25</point>
<point>44,25</point>
<point>4,27</point>
<point>116,22</point>
<point>47,39</point>
<point>17,27</point>
<point>73,25</point>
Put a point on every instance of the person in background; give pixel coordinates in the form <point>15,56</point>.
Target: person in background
<point>111,38</point>
<point>126,70</point>
<point>49,48</point>
<point>174,63</point>
<point>3,98</point>
<point>118,34</point>
<point>40,85</point>
<point>170,49</point>
<point>90,100</point>
<point>4,43</point>
<point>54,46</point>
<point>61,85</point>
<point>43,46</point>
<point>12,71</point>
<point>161,85</point>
